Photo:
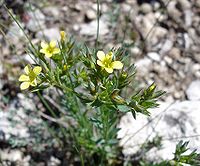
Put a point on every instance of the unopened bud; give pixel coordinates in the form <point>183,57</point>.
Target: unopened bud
<point>62,35</point>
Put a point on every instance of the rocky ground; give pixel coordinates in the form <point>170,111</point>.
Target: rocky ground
<point>162,38</point>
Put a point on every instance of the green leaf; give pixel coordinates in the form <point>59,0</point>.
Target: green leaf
<point>123,108</point>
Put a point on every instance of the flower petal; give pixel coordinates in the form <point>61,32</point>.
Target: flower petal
<point>117,65</point>
<point>109,55</point>
<point>34,83</point>
<point>37,70</point>
<point>23,78</point>
<point>27,69</point>
<point>43,51</point>
<point>56,51</point>
<point>109,70</point>
<point>24,85</point>
<point>44,44</point>
<point>48,55</point>
<point>101,55</point>
<point>52,44</point>
<point>100,63</point>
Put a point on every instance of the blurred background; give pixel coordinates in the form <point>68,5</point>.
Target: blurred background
<point>162,38</point>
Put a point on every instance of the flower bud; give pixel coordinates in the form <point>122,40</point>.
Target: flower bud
<point>62,35</point>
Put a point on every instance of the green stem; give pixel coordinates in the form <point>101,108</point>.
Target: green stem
<point>98,15</point>
<point>27,37</point>
<point>81,156</point>
<point>51,111</point>
<point>104,119</point>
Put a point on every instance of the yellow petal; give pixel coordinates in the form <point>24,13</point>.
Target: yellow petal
<point>52,43</point>
<point>24,77</point>
<point>109,70</point>
<point>37,70</point>
<point>24,85</point>
<point>101,55</point>
<point>49,55</point>
<point>117,65</point>
<point>42,51</point>
<point>27,69</point>
<point>34,83</point>
<point>100,63</point>
<point>56,51</point>
<point>109,55</point>
<point>44,44</point>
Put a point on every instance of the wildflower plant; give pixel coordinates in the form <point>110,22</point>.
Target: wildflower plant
<point>91,85</point>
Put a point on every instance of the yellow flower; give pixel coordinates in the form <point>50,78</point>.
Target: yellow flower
<point>30,78</point>
<point>62,35</point>
<point>106,61</point>
<point>49,49</point>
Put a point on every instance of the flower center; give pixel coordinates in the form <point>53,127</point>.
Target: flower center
<point>107,62</point>
<point>50,49</point>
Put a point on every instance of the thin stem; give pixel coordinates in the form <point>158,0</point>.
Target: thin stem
<point>27,37</point>
<point>98,15</point>
<point>52,112</point>
<point>104,119</point>
<point>81,156</point>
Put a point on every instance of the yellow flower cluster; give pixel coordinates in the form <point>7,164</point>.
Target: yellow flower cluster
<point>30,78</point>
<point>49,49</point>
<point>107,63</point>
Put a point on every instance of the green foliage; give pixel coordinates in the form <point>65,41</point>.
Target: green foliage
<point>181,157</point>
<point>92,98</point>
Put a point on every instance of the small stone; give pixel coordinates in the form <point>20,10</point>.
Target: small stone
<point>15,34</point>
<point>177,95</point>
<point>197,3</point>
<point>143,66</point>
<point>11,155</point>
<point>168,44</point>
<point>54,161</point>
<point>91,14</point>
<point>146,8</point>
<point>173,11</point>
<point>126,7</point>
<point>76,27</point>
<point>135,51</point>
<point>157,34</point>
<point>193,90</point>
<point>195,67</point>
<point>188,15</point>
<point>52,11</point>
<point>185,4</point>
<point>156,5</point>
<point>154,56</point>
<point>187,41</point>
<point>197,74</point>
<point>168,60</point>
<point>49,34</point>
<point>197,57</point>
<point>36,21</point>
<point>175,53</point>
<point>91,28</point>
